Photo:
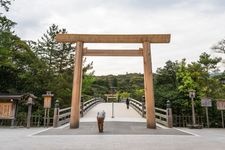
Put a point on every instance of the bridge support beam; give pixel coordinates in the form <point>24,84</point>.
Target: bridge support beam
<point>148,82</point>
<point>77,85</point>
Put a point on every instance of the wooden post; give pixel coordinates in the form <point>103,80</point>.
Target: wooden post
<point>48,117</point>
<point>77,84</point>
<point>143,109</point>
<point>29,103</point>
<point>56,115</point>
<point>193,111</point>
<point>82,107</point>
<point>45,117</point>
<point>29,115</point>
<point>143,106</point>
<point>222,118</point>
<point>14,105</point>
<point>148,82</point>
<point>207,116</point>
<point>38,123</point>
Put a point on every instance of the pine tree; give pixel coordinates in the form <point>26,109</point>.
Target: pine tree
<point>5,4</point>
<point>220,48</point>
<point>58,56</point>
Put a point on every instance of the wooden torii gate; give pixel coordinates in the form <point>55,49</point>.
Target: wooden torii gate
<point>110,96</point>
<point>145,51</point>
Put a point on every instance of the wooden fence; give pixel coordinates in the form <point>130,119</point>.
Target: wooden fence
<point>36,121</point>
<point>184,120</point>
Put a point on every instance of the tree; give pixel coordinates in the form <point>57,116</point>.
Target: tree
<point>58,56</point>
<point>196,76</point>
<point>5,4</point>
<point>59,59</point>
<point>88,79</point>
<point>166,87</point>
<point>124,95</point>
<point>209,65</point>
<point>220,48</point>
<point>7,40</point>
<point>139,93</point>
<point>16,58</point>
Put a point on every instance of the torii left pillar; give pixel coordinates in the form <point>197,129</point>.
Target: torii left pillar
<point>148,80</point>
<point>77,85</point>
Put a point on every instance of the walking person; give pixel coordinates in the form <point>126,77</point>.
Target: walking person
<point>128,103</point>
<point>100,120</point>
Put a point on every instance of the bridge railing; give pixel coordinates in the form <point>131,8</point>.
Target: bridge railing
<point>86,106</point>
<point>138,106</point>
<point>62,116</point>
<point>163,116</point>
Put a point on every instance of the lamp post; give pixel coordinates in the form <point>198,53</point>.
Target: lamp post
<point>169,114</point>
<point>13,104</point>
<point>192,96</point>
<point>29,103</point>
<point>56,114</point>
<point>112,93</point>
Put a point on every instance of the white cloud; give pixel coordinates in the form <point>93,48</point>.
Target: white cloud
<point>194,25</point>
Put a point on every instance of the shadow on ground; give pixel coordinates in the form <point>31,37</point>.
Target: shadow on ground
<point>113,128</point>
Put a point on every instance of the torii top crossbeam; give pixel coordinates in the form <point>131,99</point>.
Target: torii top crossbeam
<point>113,38</point>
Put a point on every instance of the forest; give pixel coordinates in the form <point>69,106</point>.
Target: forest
<point>45,65</point>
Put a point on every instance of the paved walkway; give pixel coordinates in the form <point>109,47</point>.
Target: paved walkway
<point>130,134</point>
<point>23,139</point>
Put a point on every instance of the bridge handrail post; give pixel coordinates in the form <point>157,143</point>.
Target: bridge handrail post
<point>82,106</point>
<point>169,114</point>
<point>56,114</point>
<point>143,106</point>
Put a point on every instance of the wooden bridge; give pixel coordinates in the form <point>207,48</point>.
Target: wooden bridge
<point>114,112</point>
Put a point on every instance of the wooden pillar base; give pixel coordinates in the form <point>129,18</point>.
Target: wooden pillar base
<point>151,126</point>
<point>74,125</point>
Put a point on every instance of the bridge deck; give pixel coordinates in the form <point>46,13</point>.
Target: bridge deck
<point>121,113</point>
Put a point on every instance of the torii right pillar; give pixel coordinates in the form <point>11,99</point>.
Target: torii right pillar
<point>148,83</point>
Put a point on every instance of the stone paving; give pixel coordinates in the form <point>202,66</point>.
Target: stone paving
<point>113,128</point>
<point>26,139</point>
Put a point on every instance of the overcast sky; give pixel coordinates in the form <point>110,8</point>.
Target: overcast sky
<point>194,25</point>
